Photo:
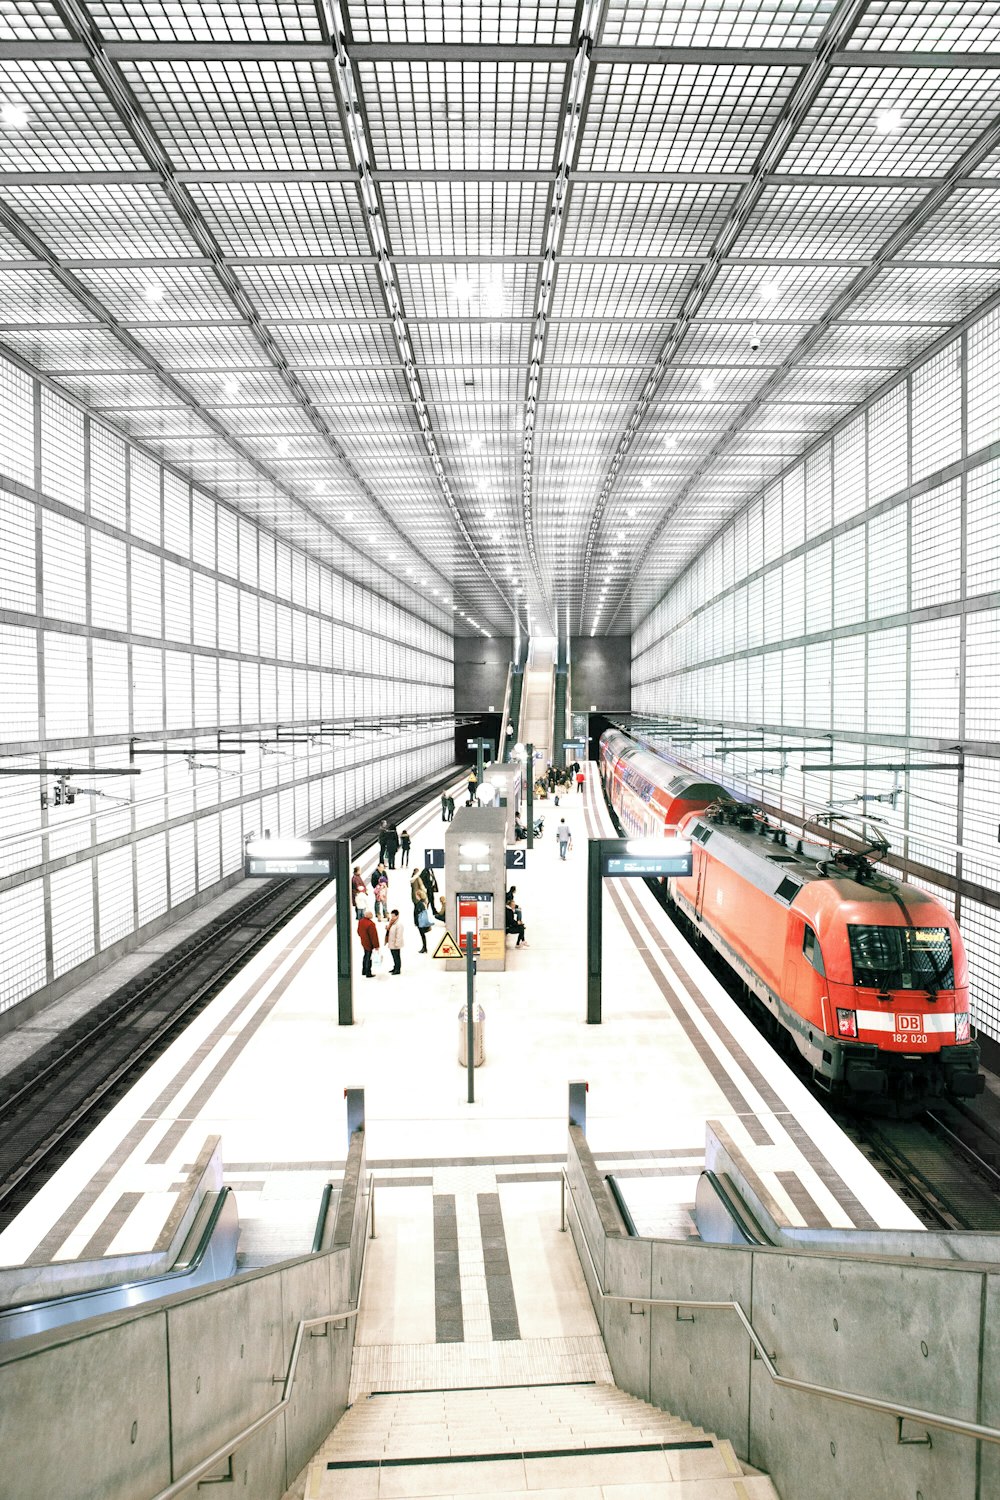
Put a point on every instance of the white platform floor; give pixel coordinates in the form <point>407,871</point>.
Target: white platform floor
<point>265,1067</point>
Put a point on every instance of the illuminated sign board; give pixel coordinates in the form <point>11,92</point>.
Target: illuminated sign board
<point>314,860</point>
<point>645,857</point>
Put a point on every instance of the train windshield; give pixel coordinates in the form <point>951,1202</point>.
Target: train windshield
<point>902,958</point>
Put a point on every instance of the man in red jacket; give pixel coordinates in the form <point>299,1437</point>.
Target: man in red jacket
<point>368,933</point>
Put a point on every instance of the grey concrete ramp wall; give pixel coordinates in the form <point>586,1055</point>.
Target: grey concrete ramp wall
<point>924,1334</point>
<point>120,1407</point>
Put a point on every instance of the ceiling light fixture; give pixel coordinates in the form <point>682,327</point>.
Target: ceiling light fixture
<point>15,116</point>
<point>889,122</point>
<point>708,382</point>
<point>768,290</point>
<point>669,442</point>
<point>154,292</point>
<point>231,385</point>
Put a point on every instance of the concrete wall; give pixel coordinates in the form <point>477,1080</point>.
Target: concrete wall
<point>121,1406</point>
<point>601,673</point>
<point>481,672</point>
<point>915,1332</point>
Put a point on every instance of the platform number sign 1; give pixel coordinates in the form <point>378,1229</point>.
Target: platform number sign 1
<point>517,859</point>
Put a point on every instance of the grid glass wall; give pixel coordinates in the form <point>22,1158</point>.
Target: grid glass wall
<point>853,611</point>
<point>135,608</point>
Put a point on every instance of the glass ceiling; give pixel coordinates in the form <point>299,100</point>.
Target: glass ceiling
<point>490,288</point>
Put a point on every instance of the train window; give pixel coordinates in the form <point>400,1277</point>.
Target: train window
<point>902,958</point>
<point>812,951</point>
<point>703,833</point>
<point>788,890</point>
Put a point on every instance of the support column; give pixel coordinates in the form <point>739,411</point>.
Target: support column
<point>595,931</point>
<point>345,992</point>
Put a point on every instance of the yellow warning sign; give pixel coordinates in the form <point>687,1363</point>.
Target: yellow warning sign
<point>447,948</point>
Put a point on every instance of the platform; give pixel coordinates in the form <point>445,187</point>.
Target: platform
<point>265,1067</point>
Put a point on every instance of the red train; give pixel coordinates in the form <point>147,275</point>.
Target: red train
<point>865,974</point>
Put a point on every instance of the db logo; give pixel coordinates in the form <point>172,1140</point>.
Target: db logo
<point>907,1023</point>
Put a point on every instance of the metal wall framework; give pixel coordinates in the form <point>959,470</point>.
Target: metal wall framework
<point>132,604</point>
<point>853,608</point>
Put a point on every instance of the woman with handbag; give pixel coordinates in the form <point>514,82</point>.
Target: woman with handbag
<point>421,916</point>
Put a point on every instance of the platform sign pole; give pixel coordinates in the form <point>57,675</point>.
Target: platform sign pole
<point>595,931</point>
<point>529,751</point>
<point>345,995</point>
<point>470,969</point>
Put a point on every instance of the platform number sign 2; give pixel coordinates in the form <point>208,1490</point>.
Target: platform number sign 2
<point>517,859</point>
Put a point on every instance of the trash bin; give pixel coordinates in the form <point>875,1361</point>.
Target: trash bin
<point>478,1052</point>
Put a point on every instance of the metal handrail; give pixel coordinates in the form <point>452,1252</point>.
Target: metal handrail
<point>228,1448</point>
<point>789,1382</point>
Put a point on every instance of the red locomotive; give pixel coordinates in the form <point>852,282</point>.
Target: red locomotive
<point>866,975</point>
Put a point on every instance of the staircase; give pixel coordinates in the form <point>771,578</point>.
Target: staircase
<point>583,1439</point>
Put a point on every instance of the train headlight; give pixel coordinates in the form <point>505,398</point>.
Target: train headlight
<point>847,1023</point>
<point>962,1031</point>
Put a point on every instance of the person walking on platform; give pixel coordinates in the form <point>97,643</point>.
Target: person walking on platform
<point>430,885</point>
<point>580,782</point>
<point>564,836</point>
<point>368,934</point>
<point>404,847</point>
<point>359,892</point>
<point>392,847</point>
<point>394,941</point>
<point>421,916</point>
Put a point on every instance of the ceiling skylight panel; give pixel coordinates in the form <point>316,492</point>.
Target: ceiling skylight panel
<point>332,346</point>
<point>791,221</point>
<point>283,218</point>
<point>668,118</point>
<point>181,292</point>
<point>583,291</point>
<point>331,291</point>
<point>463,115</point>
<point>441,21</point>
<point>140,392</point>
<point>498,291</point>
<point>258,115</point>
<point>966,228</point>
<point>874,345</point>
<point>101,220</point>
<point>69,127</point>
<point>796,418</point>
<point>34,296</point>
<point>223,350</point>
<point>30,20</point>
<point>940,113</point>
<point>799,291</point>
<point>929,26</point>
<point>632,218</point>
<point>465,218</point>
<point>717,23</point>
<point>915,293</point>
<point>77,350</point>
<point>203,20</point>
<point>731,343</point>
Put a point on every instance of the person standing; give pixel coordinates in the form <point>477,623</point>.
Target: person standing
<point>444,809</point>
<point>383,835</point>
<point>451,807</point>
<point>394,941</point>
<point>380,891</point>
<point>564,836</point>
<point>580,781</point>
<point>404,847</point>
<point>430,885</point>
<point>358,893</point>
<point>368,934</point>
<point>421,916</point>
<point>472,783</point>
<point>391,846</point>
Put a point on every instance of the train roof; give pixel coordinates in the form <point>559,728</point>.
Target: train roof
<point>644,771</point>
<point>783,870</point>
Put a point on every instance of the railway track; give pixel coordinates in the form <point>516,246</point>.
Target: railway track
<point>56,1097</point>
<point>937,1165</point>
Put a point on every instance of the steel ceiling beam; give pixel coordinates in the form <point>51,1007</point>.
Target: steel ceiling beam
<point>836,34</point>
<point>556,54</point>
<point>245,176</point>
